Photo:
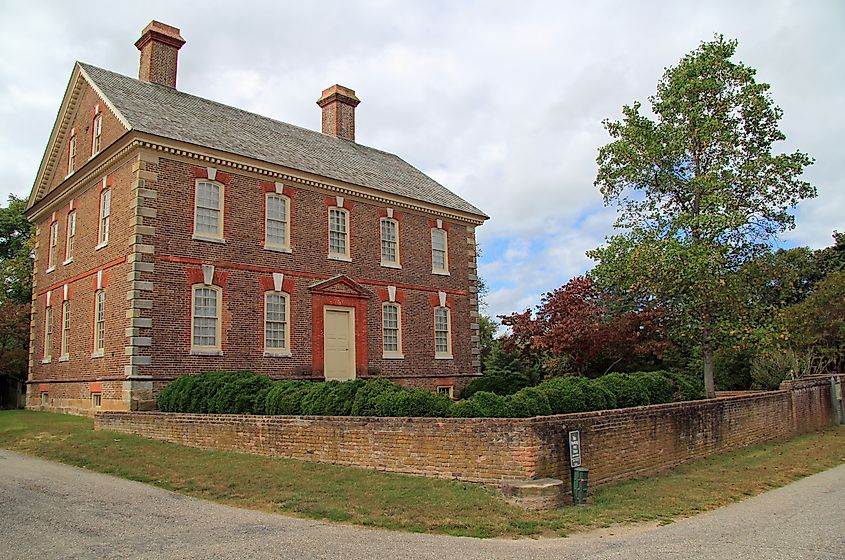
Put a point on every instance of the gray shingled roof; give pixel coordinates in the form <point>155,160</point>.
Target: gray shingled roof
<point>169,113</point>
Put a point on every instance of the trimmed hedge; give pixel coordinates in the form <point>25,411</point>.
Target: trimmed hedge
<point>417,403</point>
<point>285,398</point>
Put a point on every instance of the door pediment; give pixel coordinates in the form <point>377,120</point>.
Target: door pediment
<point>340,285</point>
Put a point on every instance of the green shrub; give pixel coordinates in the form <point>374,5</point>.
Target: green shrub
<point>529,402</point>
<point>285,397</point>
<point>205,388</point>
<point>243,393</point>
<point>467,408</point>
<point>491,405</point>
<point>599,397</point>
<point>566,394</point>
<point>500,382</point>
<point>685,386</point>
<point>368,394</point>
<point>331,398</point>
<point>627,390</point>
<point>659,388</point>
<point>413,403</point>
<point>171,393</point>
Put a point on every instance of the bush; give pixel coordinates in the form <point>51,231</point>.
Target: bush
<point>243,393</point>
<point>685,386</point>
<point>413,402</point>
<point>171,393</point>
<point>491,405</point>
<point>529,402</point>
<point>467,408</point>
<point>500,382</point>
<point>368,394</point>
<point>285,397</point>
<point>733,369</point>
<point>331,398</point>
<point>771,366</point>
<point>599,397</point>
<point>658,386</point>
<point>205,388</point>
<point>627,390</point>
<point>566,394</point>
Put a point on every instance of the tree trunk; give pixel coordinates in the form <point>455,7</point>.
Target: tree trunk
<point>707,347</point>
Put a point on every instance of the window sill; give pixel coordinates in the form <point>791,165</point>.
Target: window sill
<point>393,356</point>
<point>278,249</point>
<point>64,358</point>
<point>46,360</point>
<point>97,354</point>
<point>342,258</point>
<point>443,356</point>
<point>280,354</point>
<point>101,245</point>
<point>67,262</point>
<point>198,237</point>
<point>206,352</point>
<point>95,154</point>
<point>441,272</point>
<point>51,269</point>
<point>391,265</point>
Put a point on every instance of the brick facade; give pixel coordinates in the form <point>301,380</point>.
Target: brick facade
<point>153,259</point>
<point>616,444</point>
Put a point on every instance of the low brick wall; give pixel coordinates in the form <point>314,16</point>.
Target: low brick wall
<point>616,444</point>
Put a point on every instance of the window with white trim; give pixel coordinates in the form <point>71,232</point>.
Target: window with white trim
<point>96,400</point>
<point>71,155</point>
<point>99,322</point>
<point>205,318</point>
<point>65,329</point>
<point>70,234</point>
<point>97,130</point>
<point>391,330</point>
<point>276,221</point>
<point>208,210</point>
<point>48,332</point>
<point>105,218</point>
<point>442,332</point>
<point>54,240</point>
<point>276,323</point>
<point>389,242</point>
<point>439,251</point>
<point>338,233</point>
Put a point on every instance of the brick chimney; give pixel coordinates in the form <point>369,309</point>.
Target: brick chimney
<point>338,104</point>
<point>159,45</point>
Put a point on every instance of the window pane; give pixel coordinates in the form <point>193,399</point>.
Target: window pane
<point>390,328</point>
<point>337,231</point>
<point>441,330</point>
<point>275,324</point>
<point>276,220</point>
<point>389,241</point>
<point>438,249</point>
<point>208,208</point>
<point>205,317</point>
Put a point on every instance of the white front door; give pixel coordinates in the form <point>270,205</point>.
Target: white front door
<point>339,342</point>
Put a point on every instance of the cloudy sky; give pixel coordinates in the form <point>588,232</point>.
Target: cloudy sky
<point>500,101</point>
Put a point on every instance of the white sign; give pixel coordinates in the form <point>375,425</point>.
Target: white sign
<point>575,449</point>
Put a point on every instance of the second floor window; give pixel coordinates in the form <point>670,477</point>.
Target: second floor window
<point>97,130</point>
<point>208,215</point>
<point>276,222</point>
<point>70,234</point>
<point>71,155</point>
<point>439,251</point>
<point>389,242</point>
<point>99,322</point>
<point>54,239</point>
<point>105,217</point>
<point>338,233</point>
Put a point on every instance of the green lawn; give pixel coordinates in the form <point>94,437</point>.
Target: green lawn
<point>409,503</point>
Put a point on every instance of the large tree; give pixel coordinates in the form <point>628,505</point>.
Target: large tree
<point>699,192</point>
<point>15,288</point>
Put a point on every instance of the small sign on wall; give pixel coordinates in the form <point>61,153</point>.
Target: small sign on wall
<point>575,449</point>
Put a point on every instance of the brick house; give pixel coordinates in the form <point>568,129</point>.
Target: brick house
<point>176,235</point>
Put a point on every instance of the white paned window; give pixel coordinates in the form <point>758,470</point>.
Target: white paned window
<point>439,251</point>
<point>205,315</point>
<point>276,315</point>
<point>391,330</point>
<point>54,239</point>
<point>208,211</point>
<point>389,242</point>
<point>105,217</point>
<point>70,234</point>
<point>96,133</point>
<point>338,233</point>
<point>48,332</point>
<point>276,221</point>
<point>99,321</point>
<point>65,328</point>
<point>442,333</point>
<point>71,155</point>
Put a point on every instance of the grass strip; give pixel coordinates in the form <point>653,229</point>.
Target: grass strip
<point>409,503</point>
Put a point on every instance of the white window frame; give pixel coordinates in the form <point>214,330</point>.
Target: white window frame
<point>384,262</point>
<point>48,335</point>
<point>277,351</point>
<point>65,352</point>
<point>104,223</point>
<point>398,353</point>
<point>96,134</point>
<point>96,400</point>
<point>213,236</point>
<point>215,349</point>
<point>71,155</point>
<point>443,354</point>
<point>446,390</point>
<point>54,241</point>
<point>434,269</point>
<point>346,255</point>
<point>99,323</point>
<point>269,244</point>
<point>70,235</point>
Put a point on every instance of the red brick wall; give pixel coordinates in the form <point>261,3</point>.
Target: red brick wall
<point>617,444</point>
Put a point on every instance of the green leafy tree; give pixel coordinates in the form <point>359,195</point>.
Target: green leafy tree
<point>15,247</point>
<point>699,192</point>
